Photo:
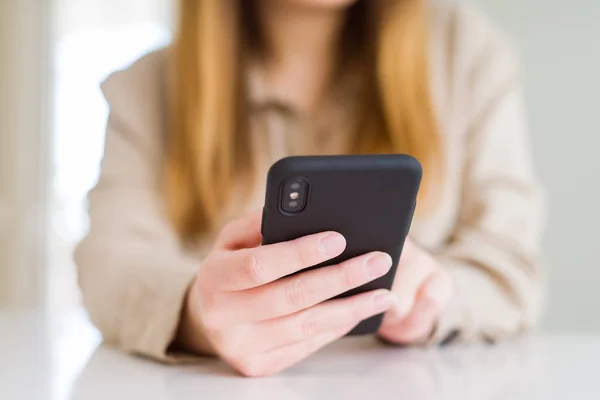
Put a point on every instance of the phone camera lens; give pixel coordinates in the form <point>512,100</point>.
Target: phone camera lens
<point>294,195</point>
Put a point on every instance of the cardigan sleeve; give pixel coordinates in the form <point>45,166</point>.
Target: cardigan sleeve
<point>133,273</point>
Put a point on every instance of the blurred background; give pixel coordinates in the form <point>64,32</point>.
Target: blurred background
<point>55,53</point>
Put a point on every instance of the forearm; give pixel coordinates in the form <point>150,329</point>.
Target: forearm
<point>134,292</point>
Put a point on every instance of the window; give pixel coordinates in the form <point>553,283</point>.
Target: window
<point>92,39</point>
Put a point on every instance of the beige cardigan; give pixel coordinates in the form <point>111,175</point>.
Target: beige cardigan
<point>486,230</point>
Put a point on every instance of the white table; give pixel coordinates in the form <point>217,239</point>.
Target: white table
<point>62,359</point>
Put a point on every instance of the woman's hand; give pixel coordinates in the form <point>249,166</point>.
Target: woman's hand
<point>240,309</point>
<point>423,288</point>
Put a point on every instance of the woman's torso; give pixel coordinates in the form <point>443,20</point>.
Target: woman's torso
<point>455,45</point>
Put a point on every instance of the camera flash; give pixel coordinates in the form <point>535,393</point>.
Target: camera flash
<point>294,195</point>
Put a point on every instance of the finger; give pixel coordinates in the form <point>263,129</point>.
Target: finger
<point>241,233</point>
<point>419,323</point>
<point>292,294</point>
<point>277,360</point>
<point>413,271</point>
<point>417,326</point>
<point>410,250</point>
<point>250,268</point>
<point>320,319</point>
<point>438,289</point>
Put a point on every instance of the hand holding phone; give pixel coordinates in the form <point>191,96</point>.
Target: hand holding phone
<point>265,308</point>
<point>250,306</point>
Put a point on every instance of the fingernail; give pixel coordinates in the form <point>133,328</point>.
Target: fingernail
<point>383,301</point>
<point>332,245</point>
<point>378,265</point>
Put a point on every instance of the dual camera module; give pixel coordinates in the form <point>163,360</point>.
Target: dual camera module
<point>294,195</point>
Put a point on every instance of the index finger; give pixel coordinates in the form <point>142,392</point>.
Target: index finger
<point>241,233</point>
<point>250,268</point>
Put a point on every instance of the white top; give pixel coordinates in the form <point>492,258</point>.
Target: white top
<point>59,360</point>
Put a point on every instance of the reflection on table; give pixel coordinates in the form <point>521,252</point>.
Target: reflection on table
<point>64,360</point>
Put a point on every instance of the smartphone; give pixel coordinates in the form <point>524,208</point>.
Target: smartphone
<point>370,199</point>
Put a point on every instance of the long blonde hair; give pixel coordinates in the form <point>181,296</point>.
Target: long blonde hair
<point>208,140</point>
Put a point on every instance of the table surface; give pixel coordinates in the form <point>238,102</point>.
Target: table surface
<point>62,358</point>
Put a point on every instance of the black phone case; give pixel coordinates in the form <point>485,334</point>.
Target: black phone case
<point>370,199</point>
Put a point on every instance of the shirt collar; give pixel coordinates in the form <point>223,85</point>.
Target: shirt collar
<point>343,97</point>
